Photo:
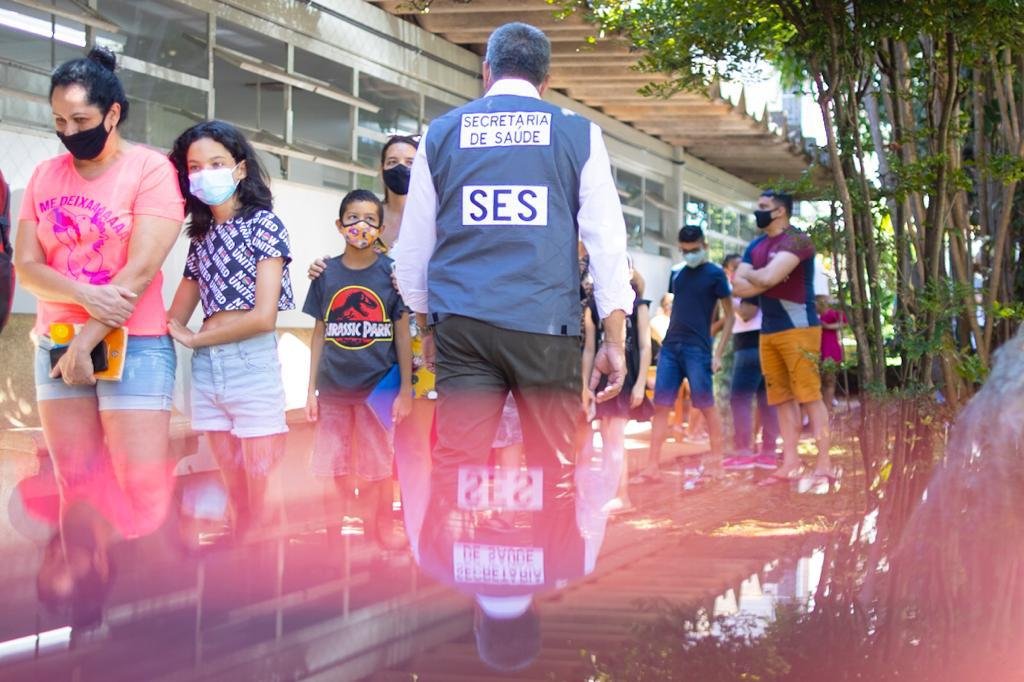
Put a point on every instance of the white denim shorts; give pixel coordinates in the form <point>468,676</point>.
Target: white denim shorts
<point>237,387</point>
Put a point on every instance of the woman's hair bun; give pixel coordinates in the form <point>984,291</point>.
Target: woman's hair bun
<point>103,57</point>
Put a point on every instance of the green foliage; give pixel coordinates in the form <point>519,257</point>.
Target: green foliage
<point>940,61</point>
<point>694,41</point>
<point>684,643</point>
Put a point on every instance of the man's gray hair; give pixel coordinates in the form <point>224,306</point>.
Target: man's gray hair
<point>518,50</point>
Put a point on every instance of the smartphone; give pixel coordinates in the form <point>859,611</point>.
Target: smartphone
<point>98,355</point>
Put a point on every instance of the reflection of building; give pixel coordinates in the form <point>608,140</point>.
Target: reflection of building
<point>783,581</point>
<point>320,85</point>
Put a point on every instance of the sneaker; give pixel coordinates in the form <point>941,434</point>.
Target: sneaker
<point>738,463</point>
<point>765,462</point>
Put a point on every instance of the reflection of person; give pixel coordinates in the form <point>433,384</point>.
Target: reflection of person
<point>778,267</point>
<point>361,333</point>
<point>130,191</point>
<point>698,288</point>
<point>237,268</point>
<point>503,536</point>
<point>502,189</point>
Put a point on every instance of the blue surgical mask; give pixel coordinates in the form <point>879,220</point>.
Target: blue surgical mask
<point>694,258</point>
<point>213,186</point>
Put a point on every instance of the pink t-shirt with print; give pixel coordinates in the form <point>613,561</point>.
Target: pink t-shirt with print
<point>85,227</point>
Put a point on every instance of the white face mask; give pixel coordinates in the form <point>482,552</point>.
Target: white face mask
<point>694,258</point>
<point>213,186</point>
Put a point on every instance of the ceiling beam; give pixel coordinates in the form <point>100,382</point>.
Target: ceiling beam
<point>682,103</point>
<point>546,21</point>
<point>604,46</point>
<point>462,7</point>
<point>467,37</point>
<point>612,61</point>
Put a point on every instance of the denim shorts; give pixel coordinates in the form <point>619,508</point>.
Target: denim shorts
<point>237,387</point>
<point>147,383</point>
<point>676,362</point>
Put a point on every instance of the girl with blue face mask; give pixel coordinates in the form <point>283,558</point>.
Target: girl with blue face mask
<point>237,267</point>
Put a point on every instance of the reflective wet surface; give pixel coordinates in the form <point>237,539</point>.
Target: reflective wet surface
<point>518,572</point>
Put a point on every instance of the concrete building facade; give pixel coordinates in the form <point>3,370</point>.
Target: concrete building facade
<point>319,86</point>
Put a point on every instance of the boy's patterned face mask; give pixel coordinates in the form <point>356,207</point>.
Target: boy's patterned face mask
<point>360,234</point>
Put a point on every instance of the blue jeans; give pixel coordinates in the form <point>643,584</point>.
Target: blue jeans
<point>748,382</point>
<point>147,382</point>
<point>678,361</point>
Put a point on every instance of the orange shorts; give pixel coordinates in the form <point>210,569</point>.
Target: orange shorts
<point>789,361</point>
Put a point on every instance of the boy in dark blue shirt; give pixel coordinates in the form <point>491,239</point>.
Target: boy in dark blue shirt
<point>686,352</point>
<point>361,335</point>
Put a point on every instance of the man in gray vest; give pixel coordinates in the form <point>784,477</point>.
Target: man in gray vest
<point>502,190</point>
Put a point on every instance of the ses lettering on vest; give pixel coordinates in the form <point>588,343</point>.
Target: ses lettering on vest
<point>514,205</point>
<point>505,129</point>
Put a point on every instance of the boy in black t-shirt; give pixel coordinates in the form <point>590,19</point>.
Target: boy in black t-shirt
<point>360,341</point>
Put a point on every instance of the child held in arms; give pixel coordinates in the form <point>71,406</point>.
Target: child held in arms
<point>360,340</point>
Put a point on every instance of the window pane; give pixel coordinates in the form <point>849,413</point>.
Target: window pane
<point>160,32</point>
<point>25,37</point>
<point>249,100</point>
<point>315,66</point>
<point>630,188</point>
<point>240,39</point>
<point>696,212</point>
<point>399,108</point>
<point>654,208</point>
<point>634,229</point>
<point>369,151</point>
<point>716,250</point>
<point>159,111</point>
<point>321,122</point>
<point>432,109</point>
<point>747,228</point>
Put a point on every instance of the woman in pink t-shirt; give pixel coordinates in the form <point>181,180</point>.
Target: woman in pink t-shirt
<point>94,229</point>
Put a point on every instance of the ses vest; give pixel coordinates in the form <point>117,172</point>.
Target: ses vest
<point>506,170</point>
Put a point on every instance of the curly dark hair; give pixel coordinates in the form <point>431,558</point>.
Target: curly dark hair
<point>95,73</point>
<point>253,192</point>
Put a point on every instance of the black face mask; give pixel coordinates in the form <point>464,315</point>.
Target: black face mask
<point>86,144</point>
<point>396,179</point>
<point>763,218</point>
